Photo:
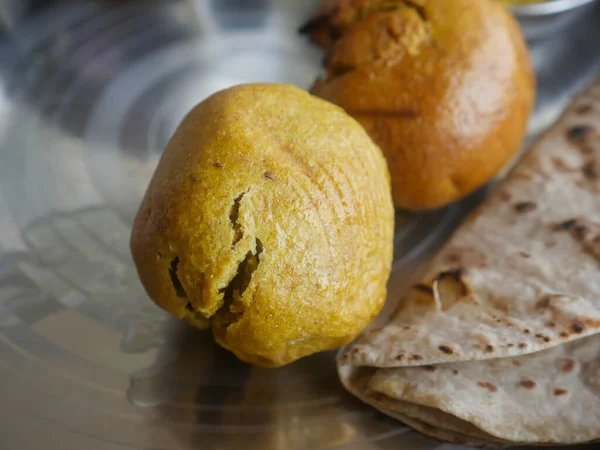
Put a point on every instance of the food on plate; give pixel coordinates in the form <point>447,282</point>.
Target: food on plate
<point>552,396</point>
<point>444,87</point>
<point>500,344</point>
<point>270,216</point>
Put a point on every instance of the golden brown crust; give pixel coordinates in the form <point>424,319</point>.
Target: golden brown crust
<point>444,87</point>
<point>270,214</point>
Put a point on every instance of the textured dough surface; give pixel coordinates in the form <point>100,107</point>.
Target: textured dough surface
<point>269,215</point>
<point>445,88</point>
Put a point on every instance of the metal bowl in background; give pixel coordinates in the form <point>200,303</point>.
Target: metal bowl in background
<point>540,20</point>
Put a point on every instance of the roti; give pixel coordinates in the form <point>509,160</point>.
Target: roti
<point>499,344</point>
<point>550,397</point>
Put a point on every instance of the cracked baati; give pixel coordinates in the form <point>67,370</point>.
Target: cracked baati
<point>270,219</point>
<point>445,88</point>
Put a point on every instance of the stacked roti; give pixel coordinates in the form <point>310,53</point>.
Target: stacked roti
<point>500,344</point>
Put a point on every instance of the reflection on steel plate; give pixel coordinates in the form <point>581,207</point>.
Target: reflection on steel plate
<point>90,93</point>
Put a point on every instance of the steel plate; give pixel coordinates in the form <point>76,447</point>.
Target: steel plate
<point>89,95</point>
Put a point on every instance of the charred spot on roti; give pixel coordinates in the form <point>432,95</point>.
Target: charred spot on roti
<point>399,357</point>
<point>542,303</point>
<point>454,372</point>
<point>510,345</point>
<point>550,324</point>
<point>566,225</point>
<point>430,368</point>
<point>580,231</point>
<point>489,348</point>
<point>527,384</point>
<point>416,357</point>
<point>487,385</point>
<point>542,337</point>
<point>586,232</point>
<point>584,109</point>
<point>525,207</point>
<point>516,363</point>
<point>445,349</point>
<point>564,334</point>
<point>590,171</point>
<point>583,137</point>
<point>594,323</point>
<point>579,133</point>
<point>526,331</point>
<point>525,254</point>
<point>523,345</point>
<point>578,327</point>
<point>559,391</point>
<point>567,365</point>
